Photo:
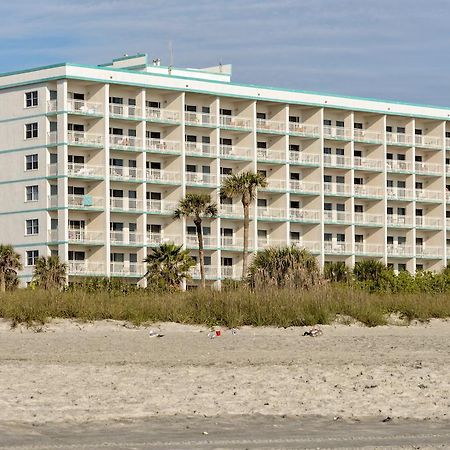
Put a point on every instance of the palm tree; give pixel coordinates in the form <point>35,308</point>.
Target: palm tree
<point>336,272</point>
<point>50,273</point>
<point>9,265</point>
<point>243,185</point>
<point>197,206</point>
<point>167,266</point>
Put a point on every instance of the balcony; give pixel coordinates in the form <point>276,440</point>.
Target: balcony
<point>270,126</point>
<point>128,143</point>
<point>364,249</point>
<point>274,185</point>
<point>52,106</point>
<point>161,238</point>
<point>428,168</point>
<point>52,138</point>
<point>447,196</point>
<point>162,115</point>
<point>201,179</point>
<point>269,242</point>
<point>337,248</point>
<point>85,268</point>
<point>265,154</point>
<point>368,164</point>
<point>201,149</point>
<point>428,142</point>
<point>75,170</point>
<point>399,221</point>
<point>399,194</point>
<point>364,191</point>
<point>337,189</point>
<point>399,139</point>
<point>266,213</point>
<point>159,176</point>
<point>312,246</point>
<point>127,269</point>
<point>200,119</point>
<point>235,123</point>
<point>234,152</point>
<point>125,204</point>
<point>399,250</point>
<point>428,222</point>
<point>85,202</point>
<point>337,133</point>
<point>337,217</point>
<point>208,241</point>
<point>211,272</point>
<point>231,272</point>
<point>122,238</point>
<point>304,215</point>
<point>429,252</point>
<point>163,146</point>
<point>84,139</point>
<point>231,211</point>
<point>124,111</point>
<point>84,237</point>
<point>305,159</point>
<point>427,195</point>
<point>83,107</point>
<point>369,137</point>
<point>162,207</point>
<point>398,166</point>
<point>337,161</point>
<point>304,187</point>
<point>234,243</point>
<point>121,173</point>
<point>304,130</point>
<point>365,219</point>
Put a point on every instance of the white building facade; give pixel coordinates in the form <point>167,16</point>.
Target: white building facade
<point>95,159</point>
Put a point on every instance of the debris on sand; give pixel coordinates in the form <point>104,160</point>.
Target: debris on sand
<point>153,333</point>
<point>313,332</point>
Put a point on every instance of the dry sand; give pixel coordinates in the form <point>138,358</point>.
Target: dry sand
<point>80,372</point>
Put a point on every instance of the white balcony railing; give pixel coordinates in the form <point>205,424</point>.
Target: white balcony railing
<point>201,149</point>
<point>368,219</point>
<point>270,125</point>
<point>312,246</point>
<point>340,133</point>
<point>235,152</point>
<point>337,248</point>
<point>393,165</point>
<point>266,154</point>
<point>303,129</point>
<point>361,248</point>
<point>423,251</point>
<point>124,111</point>
<point>234,243</point>
<point>121,142</point>
<point>161,238</point>
<point>275,185</point>
<point>85,237</point>
<point>428,168</point>
<point>307,187</point>
<point>265,212</point>
<point>306,215</point>
<point>163,176</point>
<point>208,241</point>
<point>232,272</point>
<point>125,269</point>
<point>211,272</point>
<point>85,268</point>
<point>427,141</point>
<point>85,201</point>
<point>398,138</point>
<point>200,119</point>
<point>163,146</point>
<point>233,210</point>
<point>394,193</point>
<point>126,238</point>
<point>367,136</point>
<point>428,222</point>
<point>399,250</point>
<point>297,157</point>
<point>399,220</point>
<point>428,195</point>
<point>362,190</point>
<point>125,173</point>
<point>199,178</point>
<point>337,216</point>
<point>161,207</point>
<point>52,106</point>
<point>84,138</point>
<point>84,107</point>
<point>269,242</point>
<point>84,170</point>
<point>336,161</point>
<point>125,204</point>
<point>235,122</point>
<point>162,115</point>
<point>336,189</point>
<point>367,163</point>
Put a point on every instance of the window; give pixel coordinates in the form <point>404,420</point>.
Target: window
<point>32,193</point>
<point>32,256</point>
<point>327,237</point>
<point>340,237</point>
<point>294,119</point>
<point>151,104</point>
<point>76,256</point>
<point>295,236</point>
<point>31,227</point>
<point>359,208</point>
<point>418,132</point>
<point>327,122</point>
<point>389,129</point>
<point>225,112</point>
<point>261,115</point>
<point>402,267</point>
<point>339,123</point>
<point>31,130</point>
<point>358,126</point>
<point>31,162</point>
<point>419,267</point>
<point>31,99</point>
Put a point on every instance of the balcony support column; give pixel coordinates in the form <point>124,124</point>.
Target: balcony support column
<point>107,183</point>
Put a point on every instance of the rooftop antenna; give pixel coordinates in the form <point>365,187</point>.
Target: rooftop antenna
<point>170,57</point>
<point>220,65</point>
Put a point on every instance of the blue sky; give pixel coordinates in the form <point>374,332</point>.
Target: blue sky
<point>393,49</point>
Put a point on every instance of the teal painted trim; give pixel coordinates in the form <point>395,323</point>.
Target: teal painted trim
<point>23,149</point>
<point>34,116</point>
<point>34,69</point>
<point>23,211</point>
<point>24,180</point>
<point>39,244</point>
<point>125,58</point>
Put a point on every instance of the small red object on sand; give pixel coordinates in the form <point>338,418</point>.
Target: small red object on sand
<point>218,332</point>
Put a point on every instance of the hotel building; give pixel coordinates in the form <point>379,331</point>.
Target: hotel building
<point>95,158</point>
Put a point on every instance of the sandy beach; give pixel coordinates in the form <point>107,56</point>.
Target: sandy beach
<point>66,371</point>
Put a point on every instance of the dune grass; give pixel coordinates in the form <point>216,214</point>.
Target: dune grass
<point>234,308</point>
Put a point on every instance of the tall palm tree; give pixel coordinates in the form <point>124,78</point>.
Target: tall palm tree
<point>197,206</point>
<point>50,272</point>
<point>9,265</point>
<point>168,266</point>
<point>245,186</point>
